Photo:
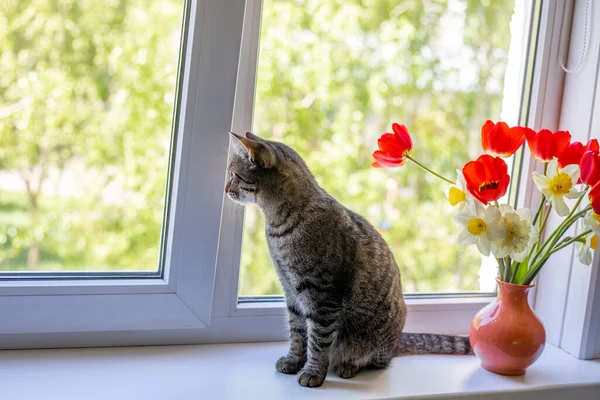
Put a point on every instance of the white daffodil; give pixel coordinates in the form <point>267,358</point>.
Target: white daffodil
<point>558,184</point>
<point>592,221</point>
<point>458,195</point>
<point>584,248</point>
<point>480,226</point>
<point>519,233</point>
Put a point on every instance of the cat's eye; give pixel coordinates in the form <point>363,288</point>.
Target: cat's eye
<point>249,182</point>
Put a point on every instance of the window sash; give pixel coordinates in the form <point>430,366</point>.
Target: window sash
<point>181,300</point>
<point>227,297</point>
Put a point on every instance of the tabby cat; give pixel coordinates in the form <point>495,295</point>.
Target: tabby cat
<point>341,282</point>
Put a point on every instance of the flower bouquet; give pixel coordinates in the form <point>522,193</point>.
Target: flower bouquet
<point>515,237</point>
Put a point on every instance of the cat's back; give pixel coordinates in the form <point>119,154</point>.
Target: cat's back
<point>324,231</point>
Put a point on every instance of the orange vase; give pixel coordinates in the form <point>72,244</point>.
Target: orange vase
<point>506,334</point>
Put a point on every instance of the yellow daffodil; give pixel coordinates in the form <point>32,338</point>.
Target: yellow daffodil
<point>480,226</point>
<point>584,247</point>
<point>558,184</point>
<point>458,195</point>
<point>592,221</point>
<point>519,233</point>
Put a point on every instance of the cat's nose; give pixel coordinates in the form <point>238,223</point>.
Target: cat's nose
<point>227,186</point>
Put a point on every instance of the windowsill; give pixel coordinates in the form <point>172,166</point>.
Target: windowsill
<point>247,371</point>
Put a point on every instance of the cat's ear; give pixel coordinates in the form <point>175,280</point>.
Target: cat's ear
<point>252,136</point>
<point>259,152</point>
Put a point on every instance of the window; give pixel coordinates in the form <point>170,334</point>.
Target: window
<point>164,257</point>
<point>87,105</point>
<point>332,76</point>
<point>175,301</point>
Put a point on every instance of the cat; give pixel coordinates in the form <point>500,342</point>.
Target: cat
<point>341,282</point>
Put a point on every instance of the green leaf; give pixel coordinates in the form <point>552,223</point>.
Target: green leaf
<point>521,272</point>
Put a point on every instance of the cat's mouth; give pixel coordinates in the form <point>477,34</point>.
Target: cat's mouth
<point>233,195</point>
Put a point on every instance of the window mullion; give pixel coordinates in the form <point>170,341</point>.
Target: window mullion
<point>230,235</point>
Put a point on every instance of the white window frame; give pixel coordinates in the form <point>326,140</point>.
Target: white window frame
<point>54,313</point>
<point>197,301</point>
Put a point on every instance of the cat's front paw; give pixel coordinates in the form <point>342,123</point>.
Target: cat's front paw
<point>289,365</point>
<point>308,378</point>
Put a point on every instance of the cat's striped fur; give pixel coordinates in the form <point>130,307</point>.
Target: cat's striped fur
<point>341,282</point>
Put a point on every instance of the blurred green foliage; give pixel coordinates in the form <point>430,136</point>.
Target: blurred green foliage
<point>88,87</point>
<point>333,75</point>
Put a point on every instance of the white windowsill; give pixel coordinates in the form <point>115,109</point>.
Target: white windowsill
<point>247,371</point>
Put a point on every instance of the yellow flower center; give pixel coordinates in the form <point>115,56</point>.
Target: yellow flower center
<point>561,184</point>
<point>594,242</point>
<point>511,233</point>
<point>596,216</point>
<point>476,226</point>
<point>456,196</point>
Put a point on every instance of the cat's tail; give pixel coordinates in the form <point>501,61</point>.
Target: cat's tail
<point>428,343</point>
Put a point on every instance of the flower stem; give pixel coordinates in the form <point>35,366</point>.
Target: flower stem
<point>539,211</point>
<point>514,271</point>
<point>567,243</point>
<point>430,171</point>
<point>507,268</point>
<point>527,281</point>
<point>536,265</point>
<point>570,220</point>
<point>500,262</point>
<point>543,224</point>
<point>541,207</point>
<point>536,246</point>
<point>561,229</point>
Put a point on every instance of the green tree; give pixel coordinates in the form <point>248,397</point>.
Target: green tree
<point>90,85</point>
<point>332,76</point>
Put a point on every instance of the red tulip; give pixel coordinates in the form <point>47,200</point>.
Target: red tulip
<point>487,178</point>
<point>590,167</point>
<point>499,140</point>
<point>574,151</point>
<point>594,196</point>
<point>545,144</point>
<point>393,148</point>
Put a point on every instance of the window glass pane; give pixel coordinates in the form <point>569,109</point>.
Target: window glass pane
<point>87,90</point>
<point>333,75</point>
